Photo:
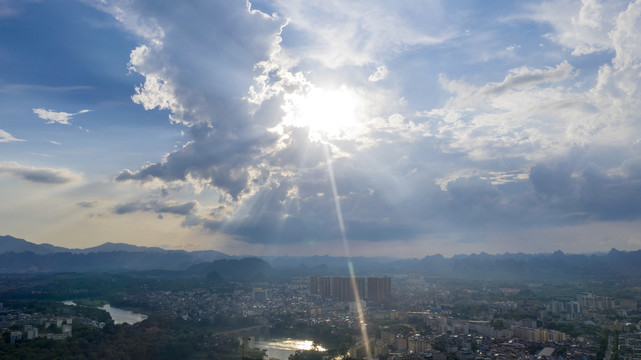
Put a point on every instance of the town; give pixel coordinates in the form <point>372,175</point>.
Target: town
<point>409,316</point>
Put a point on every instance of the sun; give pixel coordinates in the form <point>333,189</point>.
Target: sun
<point>328,113</point>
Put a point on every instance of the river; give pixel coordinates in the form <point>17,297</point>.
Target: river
<point>282,348</point>
<point>118,315</point>
<point>123,316</point>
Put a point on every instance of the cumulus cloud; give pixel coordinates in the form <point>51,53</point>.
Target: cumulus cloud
<point>363,32</point>
<point>517,117</point>
<point>205,92</point>
<point>274,186</point>
<point>485,159</point>
<point>582,26</point>
<point>38,175</point>
<point>378,75</point>
<point>6,137</point>
<point>59,117</point>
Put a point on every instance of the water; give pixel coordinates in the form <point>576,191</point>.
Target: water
<point>123,316</point>
<point>118,315</point>
<point>282,348</point>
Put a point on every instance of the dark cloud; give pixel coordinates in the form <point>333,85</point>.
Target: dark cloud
<point>589,190</point>
<point>183,209</point>
<point>38,175</point>
<point>156,207</point>
<point>206,91</point>
<point>87,204</point>
<point>222,162</point>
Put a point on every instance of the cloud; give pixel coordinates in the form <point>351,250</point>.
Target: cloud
<point>38,175</point>
<point>270,182</point>
<point>159,207</point>
<point>378,75</point>
<point>494,155</point>
<point>523,78</point>
<point>87,204</point>
<point>57,117</point>
<point>517,117</point>
<point>9,8</point>
<point>582,26</point>
<point>588,192</point>
<point>6,137</point>
<point>363,32</point>
<point>205,92</point>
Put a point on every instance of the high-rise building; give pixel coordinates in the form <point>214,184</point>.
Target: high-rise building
<point>379,289</point>
<point>360,287</point>
<point>325,286</point>
<point>340,288</point>
<point>313,285</point>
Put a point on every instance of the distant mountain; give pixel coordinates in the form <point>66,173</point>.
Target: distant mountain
<point>12,244</point>
<point>208,255</point>
<point>110,247</point>
<point>247,269</point>
<point>19,256</point>
<point>29,262</point>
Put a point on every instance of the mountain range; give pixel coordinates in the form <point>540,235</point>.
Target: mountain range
<point>21,256</point>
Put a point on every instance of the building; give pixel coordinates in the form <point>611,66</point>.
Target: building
<point>313,285</point>
<point>360,287</point>
<point>15,336</point>
<point>418,344</point>
<point>260,294</point>
<point>379,289</point>
<point>354,305</point>
<point>66,330</point>
<point>32,332</point>
<point>589,301</point>
<point>340,288</point>
<point>325,286</point>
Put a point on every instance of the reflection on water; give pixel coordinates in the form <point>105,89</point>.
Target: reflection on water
<point>281,349</point>
<point>118,315</point>
<point>123,316</point>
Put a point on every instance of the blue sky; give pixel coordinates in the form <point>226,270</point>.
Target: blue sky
<point>253,127</point>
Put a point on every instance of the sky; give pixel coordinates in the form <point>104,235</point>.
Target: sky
<point>291,127</point>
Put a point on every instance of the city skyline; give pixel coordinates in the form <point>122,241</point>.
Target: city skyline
<point>311,128</point>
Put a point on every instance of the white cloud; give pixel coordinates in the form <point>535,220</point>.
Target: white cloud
<point>582,26</point>
<point>457,166</point>
<point>362,32</point>
<point>517,117</point>
<point>380,74</point>
<point>6,137</point>
<point>59,117</point>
